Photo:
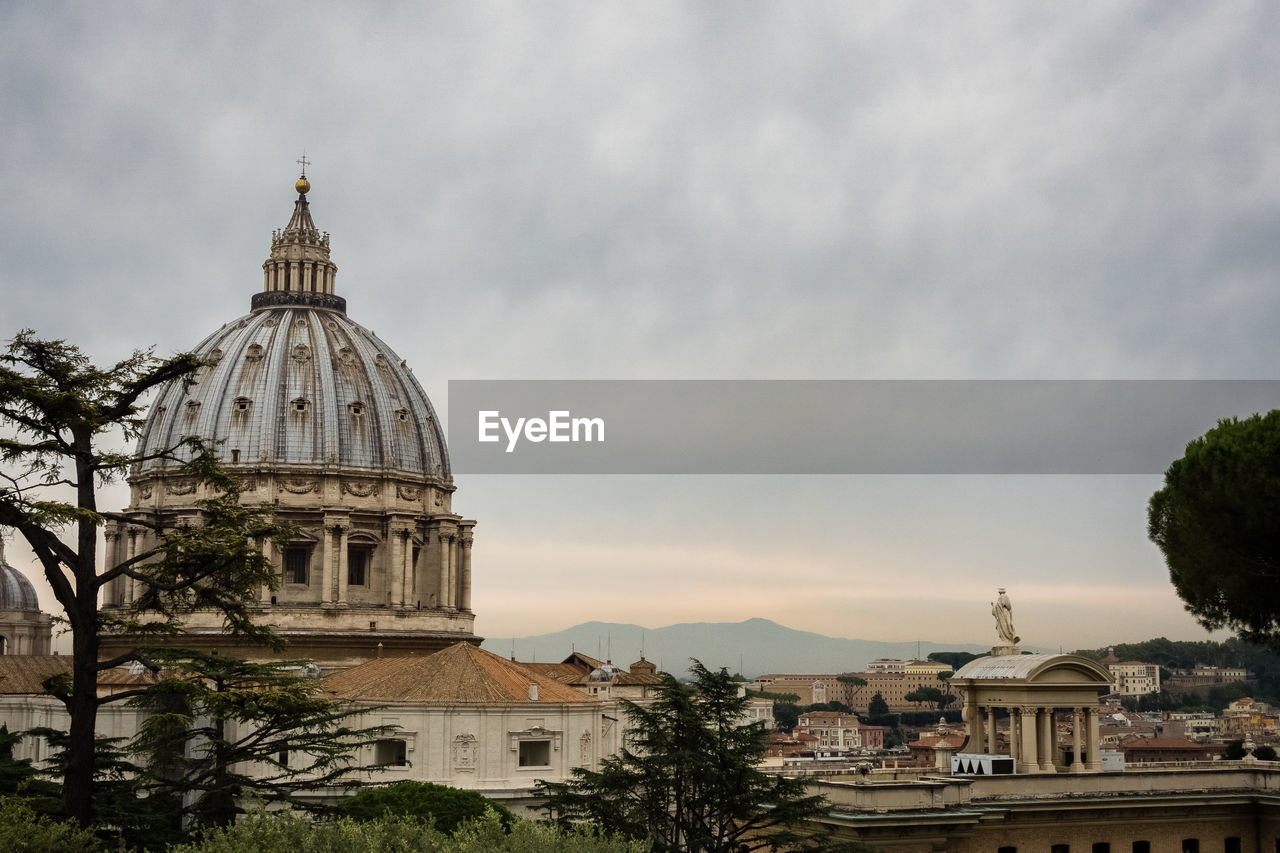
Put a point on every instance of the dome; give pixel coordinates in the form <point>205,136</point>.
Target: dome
<point>323,421</point>
<point>16,592</point>
<point>301,385</point>
<point>296,382</point>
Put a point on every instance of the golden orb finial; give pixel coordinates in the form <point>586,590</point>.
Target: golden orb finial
<point>303,186</point>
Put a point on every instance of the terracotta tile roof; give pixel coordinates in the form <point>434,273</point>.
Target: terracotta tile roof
<point>460,674</point>
<point>22,674</point>
<point>562,672</point>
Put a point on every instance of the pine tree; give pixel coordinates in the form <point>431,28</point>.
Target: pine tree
<point>687,778</point>
<point>57,409</point>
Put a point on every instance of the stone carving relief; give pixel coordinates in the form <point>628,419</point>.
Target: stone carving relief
<point>584,745</point>
<point>408,493</point>
<point>144,491</point>
<point>180,487</point>
<point>270,321</point>
<point>347,356</point>
<point>301,353</point>
<point>360,488</point>
<point>298,487</point>
<point>464,752</point>
<point>254,352</point>
<point>215,356</point>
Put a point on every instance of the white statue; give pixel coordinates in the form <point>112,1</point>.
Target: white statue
<point>1003,611</point>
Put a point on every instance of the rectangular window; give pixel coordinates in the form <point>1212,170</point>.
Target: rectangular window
<point>1231,845</point>
<point>535,753</point>
<point>297,561</point>
<point>357,563</point>
<point>390,753</point>
<point>1142,847</point>
<point>1060,848</point>
<point>1191,845</point>
<point>1101,847</point>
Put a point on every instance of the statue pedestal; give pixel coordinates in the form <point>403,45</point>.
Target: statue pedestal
<point>998,651</point>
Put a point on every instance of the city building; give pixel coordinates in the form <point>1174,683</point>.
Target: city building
<point>1134,678</point>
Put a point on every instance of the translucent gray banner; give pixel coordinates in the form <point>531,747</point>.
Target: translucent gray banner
<point>837,426</point>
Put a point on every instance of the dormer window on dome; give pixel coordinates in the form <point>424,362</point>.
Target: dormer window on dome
<point>241,404</point>
<point>356,409</point>
<point>301,404</point>
<point>193,406</point>
<point>254,352</point>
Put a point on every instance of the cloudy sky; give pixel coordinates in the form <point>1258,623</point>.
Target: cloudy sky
<point>693,190</point>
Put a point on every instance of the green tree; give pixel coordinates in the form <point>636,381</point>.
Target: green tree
<point>687,779</point>
<point>853,685</point>
<point>286,832</point>
<point>877,707</point>
<point>1265,753</point>
<point>954,659</point>
<point>220,730</point>
<point>24,830</point>
<point>447,808</point>
<point>56,409</point>
<point>1215,522</point>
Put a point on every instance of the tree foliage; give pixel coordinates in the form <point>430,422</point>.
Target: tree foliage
<point>57,409</point>
<point>1215,522</point>
<point>285,832</point>
<point>24,830</point>
<point>686,778</point>
<point>446,808</point>
<point>220,731</point>
<point>955,660</point>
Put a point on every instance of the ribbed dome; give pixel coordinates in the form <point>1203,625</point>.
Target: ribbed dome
<point>295,385</point>
<point>16,592</point>
<point>296,382</point>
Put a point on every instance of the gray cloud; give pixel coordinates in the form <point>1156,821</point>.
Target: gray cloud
<point>757,190</point>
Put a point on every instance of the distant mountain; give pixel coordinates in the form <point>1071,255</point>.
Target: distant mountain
<point>753,647</point>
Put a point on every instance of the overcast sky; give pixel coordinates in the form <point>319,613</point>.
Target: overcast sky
<point>693,190</point>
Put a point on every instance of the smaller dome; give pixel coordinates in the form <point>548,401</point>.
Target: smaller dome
<point>16,592</point>
<point>604,672</point>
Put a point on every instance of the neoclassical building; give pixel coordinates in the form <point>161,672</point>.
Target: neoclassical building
<point>321,418</point>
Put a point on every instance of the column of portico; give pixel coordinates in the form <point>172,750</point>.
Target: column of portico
<point>112,594</point>
<point>991,730</point>
<point>1047,740</point>
<point>973,713</point>
<point>131,551</point>
<point>464,591</point>
<point>1028,753</point>
<point>395,569</point>
<point>446,570</point>
<point>1094,749</point>
<point>1077,766</point>
<point>344,531</point>
<point>329,560</point>
<point>264,595</point>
